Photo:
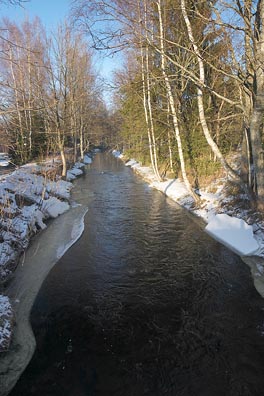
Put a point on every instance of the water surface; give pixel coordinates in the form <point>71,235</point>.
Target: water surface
<point>145,303</point>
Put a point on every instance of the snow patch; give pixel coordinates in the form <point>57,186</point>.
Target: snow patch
<point>7,256</point>
<point>174,188</point>
<point>70,176</point>
<point>6,318</point>
<point>79,165</point>
<point>117,154</point>
<point>61,189</point>
<point>53,207</point>
<point>87,160</point>
<point>132,163</point>
<point>76,171</point>
<point>234,233</point>
<point>72,173</point>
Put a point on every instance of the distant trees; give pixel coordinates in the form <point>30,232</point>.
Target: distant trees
<point>22,69</point>
<point>50,96</point>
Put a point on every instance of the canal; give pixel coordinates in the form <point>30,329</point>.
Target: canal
<point>145,303</point>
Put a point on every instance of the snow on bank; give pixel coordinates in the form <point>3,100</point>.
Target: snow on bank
<point>27,198</point>
<point>173,188</point>
<point>117,154</point>
<point>73,173</point>
<point>62,233</point>
<point>77,168</point>
<point>53,207</point>
<point>87,160</point>
<point>232,232</point>
<point>6,319</point>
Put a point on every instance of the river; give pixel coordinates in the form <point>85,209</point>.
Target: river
<point>144,303</point>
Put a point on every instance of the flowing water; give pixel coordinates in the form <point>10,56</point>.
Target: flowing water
<point>145,303</point>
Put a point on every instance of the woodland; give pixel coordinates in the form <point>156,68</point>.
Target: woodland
<point>188,99</point>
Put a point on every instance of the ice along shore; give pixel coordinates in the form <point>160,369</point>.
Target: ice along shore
<point>38,259</point>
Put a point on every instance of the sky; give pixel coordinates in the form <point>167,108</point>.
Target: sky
<point>51,13</point>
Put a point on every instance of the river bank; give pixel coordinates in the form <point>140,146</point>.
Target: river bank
<point>239,229</point>
<point>145,302</point>
<point>56,239</point>
<point>29,196</point>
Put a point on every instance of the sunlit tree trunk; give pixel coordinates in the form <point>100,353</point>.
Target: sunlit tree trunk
<point>172,104</point>
<point>146,96</point>
<point>200,96</point>
<point>20,142</point>
<point>149,104</point>
<point>30,102</point>
<point>256,121</point>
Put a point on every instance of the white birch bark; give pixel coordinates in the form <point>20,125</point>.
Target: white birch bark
<point>200,103</point>
<point>172,105</point>
<point>146,98</point>
<point>17,104</point>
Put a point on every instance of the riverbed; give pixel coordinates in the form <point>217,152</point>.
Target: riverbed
<point>144,303</point>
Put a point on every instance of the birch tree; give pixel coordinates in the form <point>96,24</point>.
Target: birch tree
<point>22,66</point>
<point>172,103</point>
<point>200,97</point>
<point>145,76</point>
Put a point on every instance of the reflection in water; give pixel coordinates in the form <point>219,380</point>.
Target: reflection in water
<point>145,303</point>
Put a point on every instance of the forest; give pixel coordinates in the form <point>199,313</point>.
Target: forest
<point>188,99</point>
<point>191,93</point>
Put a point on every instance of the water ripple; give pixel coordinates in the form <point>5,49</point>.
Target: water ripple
<point>152,306</point>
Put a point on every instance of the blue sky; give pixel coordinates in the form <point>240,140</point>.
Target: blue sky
<point>51,13</point>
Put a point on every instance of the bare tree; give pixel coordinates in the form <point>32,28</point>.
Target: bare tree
<point>172,103</point>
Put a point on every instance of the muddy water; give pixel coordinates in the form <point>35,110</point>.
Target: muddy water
<point>145,303</point>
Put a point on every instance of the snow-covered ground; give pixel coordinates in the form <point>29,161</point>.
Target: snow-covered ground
<point>227,224</point>
<point>6,318</point>
<point>28,197</point>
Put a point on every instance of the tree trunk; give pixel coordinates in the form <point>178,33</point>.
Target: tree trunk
<point>21,131</point>
<point>63,160</point>
<point>81,140</point>
<point>256,122</point>
<point>146,99</point>
<point>30,124</point>
<point>173,107</point>
<point>155,158</point>
<point>200,103</point>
